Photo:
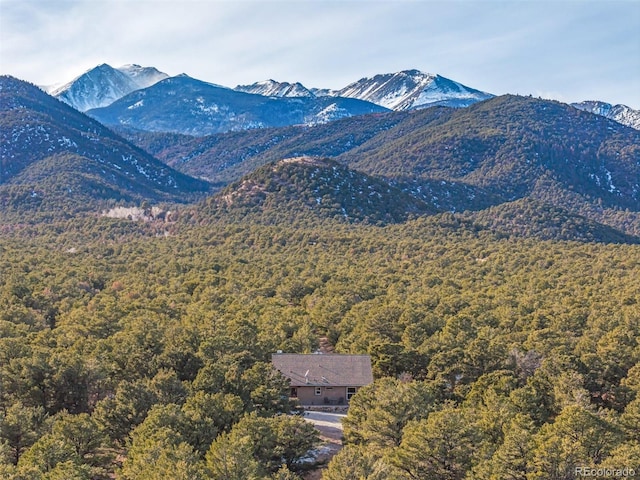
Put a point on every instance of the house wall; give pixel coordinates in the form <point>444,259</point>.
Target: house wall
<point>328,395</point>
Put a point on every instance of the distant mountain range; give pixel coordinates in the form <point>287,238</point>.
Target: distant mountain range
<point>103,85</point>
<point>404,90</point>
<point>510,140</point>
<point>620,113</point>
<point>185,105</point>
<point>54,158</point>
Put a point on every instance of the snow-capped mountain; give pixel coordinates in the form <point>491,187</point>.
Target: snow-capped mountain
<point>411,89</point>
<point>104,84</point>
<point>186,105</point>
<point>272,88</point>
<point>143,76</point>
<point>620,113</point>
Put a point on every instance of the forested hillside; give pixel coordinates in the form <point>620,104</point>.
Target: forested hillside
<point>57,162</point>
<point>499,151</point>
<point>533,218</point>
<point>305,189</point>
<point>148,356</point>
<point>508,145</point>
<point>226,157</point>
<point>517,147</point>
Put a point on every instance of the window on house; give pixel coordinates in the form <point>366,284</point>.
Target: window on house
<point>318,390</point>
<point>351,391</point>
<point>294,392</point>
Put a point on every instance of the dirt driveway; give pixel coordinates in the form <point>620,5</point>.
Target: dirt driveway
<point>330,427</point>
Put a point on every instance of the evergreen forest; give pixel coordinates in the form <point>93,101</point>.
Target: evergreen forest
<point>142,350</point>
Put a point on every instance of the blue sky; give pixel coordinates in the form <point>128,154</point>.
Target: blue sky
<point>566,50</point>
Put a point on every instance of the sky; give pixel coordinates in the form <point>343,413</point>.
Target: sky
<point>568,50</point>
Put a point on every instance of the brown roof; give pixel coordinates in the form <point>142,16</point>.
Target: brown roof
<point>324,369</point>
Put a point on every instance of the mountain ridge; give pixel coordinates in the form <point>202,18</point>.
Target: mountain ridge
<point>403,90</point>
<point>272,88</point>
<point>186,105</point>
<point>370,144</point>
<point>577,165</point>
<point>60,158</point>
<point>492,152</point>
<point>482,141</point>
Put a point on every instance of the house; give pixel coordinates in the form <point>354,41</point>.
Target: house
<point>324,379</point>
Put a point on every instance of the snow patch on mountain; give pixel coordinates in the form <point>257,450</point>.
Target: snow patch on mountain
<point>272,88</point>
<point>143,76</point>
<point>619,113</point>
<point>328,114</point>
<point>138,104</point>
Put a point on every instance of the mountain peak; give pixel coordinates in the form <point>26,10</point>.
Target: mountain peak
<point>102,85</point>
<point>416,74</point>
<point>620,113</point>
<point>410,89</point>
<point>273,88</point>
